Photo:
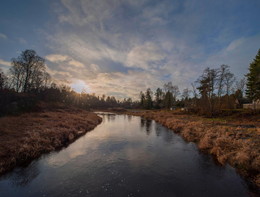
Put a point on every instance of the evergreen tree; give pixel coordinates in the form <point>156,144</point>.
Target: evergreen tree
<point>253,79</point>
<point>168,100</point>
<point>159,97</point>
<point>148,99</point>
<point>142,99</point>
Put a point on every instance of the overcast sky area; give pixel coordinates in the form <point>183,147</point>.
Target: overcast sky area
<point>120,47</point>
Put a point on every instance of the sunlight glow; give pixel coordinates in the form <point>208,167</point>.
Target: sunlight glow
<point>80,86</point>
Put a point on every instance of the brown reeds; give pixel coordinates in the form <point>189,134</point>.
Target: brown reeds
<point>28,136</point>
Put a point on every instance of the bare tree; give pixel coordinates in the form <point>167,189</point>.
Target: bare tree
<point>175,92</point>
<point>3,80</point>
<point>221,75</point>
<point>229,80</point>
<point>223,81</point>
<point>28,72</point>
<point>241,85</point>
<point>185,94</point>
<point>16,76</point>
<point>194,90</point>
<point>168,87</point>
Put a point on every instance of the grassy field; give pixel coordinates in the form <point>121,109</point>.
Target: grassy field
<point>29,135</point>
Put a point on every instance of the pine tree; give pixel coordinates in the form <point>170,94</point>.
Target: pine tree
<point>158,98</point>
<point>168,100</point>
<point>148,99</point>
<point>142,99</point>
<point>253,79</point>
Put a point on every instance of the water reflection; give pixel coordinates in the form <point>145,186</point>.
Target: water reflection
<point>129,117</point>
<point>147,124</point>
<point>24,175</point>
<point>118,159</point>
<point>110,117</point>
<point>168,137</point>
<point>142,122</point>
<point>158,130</point>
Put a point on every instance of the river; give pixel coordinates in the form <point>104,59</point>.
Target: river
<point>125,156</point>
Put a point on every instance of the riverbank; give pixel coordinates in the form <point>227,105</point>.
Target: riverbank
<point>29,135</point>
<point>233,141</point>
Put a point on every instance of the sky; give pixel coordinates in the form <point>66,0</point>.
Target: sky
<point>120,47</point>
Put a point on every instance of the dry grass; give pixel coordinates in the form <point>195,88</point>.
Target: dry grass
<point>230,141</point>
<point>26,137</point>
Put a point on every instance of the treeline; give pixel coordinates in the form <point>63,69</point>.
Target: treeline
<point>214,91</point>
<point>28,86</point>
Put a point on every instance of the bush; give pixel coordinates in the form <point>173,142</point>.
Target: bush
<point>14,103</point>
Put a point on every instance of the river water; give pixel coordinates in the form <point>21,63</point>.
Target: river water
<point>125,156</point>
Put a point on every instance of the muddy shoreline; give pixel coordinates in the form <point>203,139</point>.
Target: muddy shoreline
<point>28,136</point>
<point>232,142</point>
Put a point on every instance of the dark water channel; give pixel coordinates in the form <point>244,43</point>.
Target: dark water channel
<point>125,156</point>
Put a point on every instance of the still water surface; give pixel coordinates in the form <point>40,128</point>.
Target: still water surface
<point>125,156</point>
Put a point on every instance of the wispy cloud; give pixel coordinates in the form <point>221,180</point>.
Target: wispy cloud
<point>3,36</point>
<point>22,40</point>
<point>124,51</point>
<point>5,63</point>
<point>123,84</point>
<point>57,58</point>
<point>238,54</point>
<point>121,47</point>
<point>146,56</point>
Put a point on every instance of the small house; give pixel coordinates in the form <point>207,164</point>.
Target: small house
<point>254,105</point>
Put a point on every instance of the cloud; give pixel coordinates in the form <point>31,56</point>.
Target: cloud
<point>87,12</point>
<point>145,56</point>
<point>158,14</point>
<point>88,47</point>
<point>123,85</point>
<point>123,47</point>
<point>57,58</point>
<point>66,69</point>
<point>3,36</point>
<point>76,63</point>
<point>95,67</point>
<point>5,63</point>
<point>238,54</point>
<point>22,41</point>
<point>235,44</point>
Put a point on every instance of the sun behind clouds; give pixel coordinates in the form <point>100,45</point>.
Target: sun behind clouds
<point>80,86</point>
